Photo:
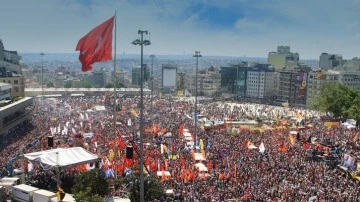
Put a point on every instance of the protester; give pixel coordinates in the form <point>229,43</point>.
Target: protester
<point>287,169</point>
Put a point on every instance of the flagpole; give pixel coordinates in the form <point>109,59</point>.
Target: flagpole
<point>115,96</point>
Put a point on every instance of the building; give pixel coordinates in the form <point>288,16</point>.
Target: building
<point>120,77</point>
<point>330,61</point>
<point>292,86</point>
<point>181,81</point>
<point>168,78</point>
<point>208,82</point>
<point>349,65</point>
<point>99,78</point>
<point>136,75</point>
<point>283,58</point>
<point>260,81</point>
<point>18,84</point>
<point>318,78</point>
<point>13,112</point>
<point>233,80</point>
<point>10,71</point>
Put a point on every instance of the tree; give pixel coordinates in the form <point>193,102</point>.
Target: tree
<point>152,189</point>
<point>68,84</point>
<point>90,185</point>
<point>50,84</point>
<point>336,98</point>
<point>354,111</point>
<point>118,85</point>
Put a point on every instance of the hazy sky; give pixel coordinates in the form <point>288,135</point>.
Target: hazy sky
<point>215,27</point>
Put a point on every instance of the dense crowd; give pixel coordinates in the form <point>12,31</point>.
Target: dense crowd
<point>290,167</point>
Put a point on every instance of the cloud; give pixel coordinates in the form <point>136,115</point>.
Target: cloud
<point>232,27</point>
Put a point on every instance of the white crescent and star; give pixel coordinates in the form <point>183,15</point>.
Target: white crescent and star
<point>98,45</point>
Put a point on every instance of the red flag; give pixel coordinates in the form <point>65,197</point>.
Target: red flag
<point>96,46</point>
<point>181,129</point>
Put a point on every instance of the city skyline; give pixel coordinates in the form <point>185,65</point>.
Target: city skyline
<point>216,28</point>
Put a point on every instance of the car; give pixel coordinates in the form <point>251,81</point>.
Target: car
<point>351,121</point>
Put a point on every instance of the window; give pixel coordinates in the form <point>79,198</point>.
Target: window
<point>16,82</point>
<point>16,89</point>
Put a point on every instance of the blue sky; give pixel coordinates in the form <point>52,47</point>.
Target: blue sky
<point>215,27</point>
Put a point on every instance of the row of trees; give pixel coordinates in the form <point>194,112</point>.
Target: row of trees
<point>88,84</point>
<point>340,100</point>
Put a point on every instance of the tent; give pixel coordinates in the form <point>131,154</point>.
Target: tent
<point>100,108</point>
<point>62,157</point>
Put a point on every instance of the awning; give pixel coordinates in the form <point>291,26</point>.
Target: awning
<point>62,157</point>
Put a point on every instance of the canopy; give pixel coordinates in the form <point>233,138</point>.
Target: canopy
<point>62,157</point>
<point>100,108</point>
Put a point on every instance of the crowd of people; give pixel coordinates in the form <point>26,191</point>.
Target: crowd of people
<point>287,168</point>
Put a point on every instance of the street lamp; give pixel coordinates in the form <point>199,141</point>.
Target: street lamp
<point>141,42</point>
<point>42,74</point>
<point>152,83</point>
<point>197,55</point>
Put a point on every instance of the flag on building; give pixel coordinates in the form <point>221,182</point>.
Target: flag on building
<point>96,46</point>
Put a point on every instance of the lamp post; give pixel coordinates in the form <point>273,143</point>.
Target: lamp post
<point>42,74</point>
<point>197,55</point>
<point>152,84</point>
<point>141,42</point>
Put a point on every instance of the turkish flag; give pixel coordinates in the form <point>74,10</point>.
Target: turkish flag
<point>96,46</point>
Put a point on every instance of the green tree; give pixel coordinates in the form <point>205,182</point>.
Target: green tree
<point>152,189</point>
<point>336,98</point>
<point>354,111</point>
<point>82,84</point>
<point>68,84</point>
<point>91,184</point>
<point>50,84</point>
<point>118,85</point>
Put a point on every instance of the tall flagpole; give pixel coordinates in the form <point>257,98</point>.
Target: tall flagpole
<point>115,96</point>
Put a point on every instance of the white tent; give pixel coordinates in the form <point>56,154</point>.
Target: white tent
<point>100,108</point>
<point>62,157</point>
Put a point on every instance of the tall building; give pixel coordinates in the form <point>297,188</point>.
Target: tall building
<point>329,61</point>
<point>260,81</point>
<point>349,65</point>
<point>283,58</point>
<point>181,81</point>
<point>209,81</point>
<point>12,113</point>
<point>10,71</point>
<point>292,86</point>
<point>136,75</point>
<point>233,80</point>
<point>169,74</point>
<point>318,78</point>
<point>120,77</point>
<point>99,78</point>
